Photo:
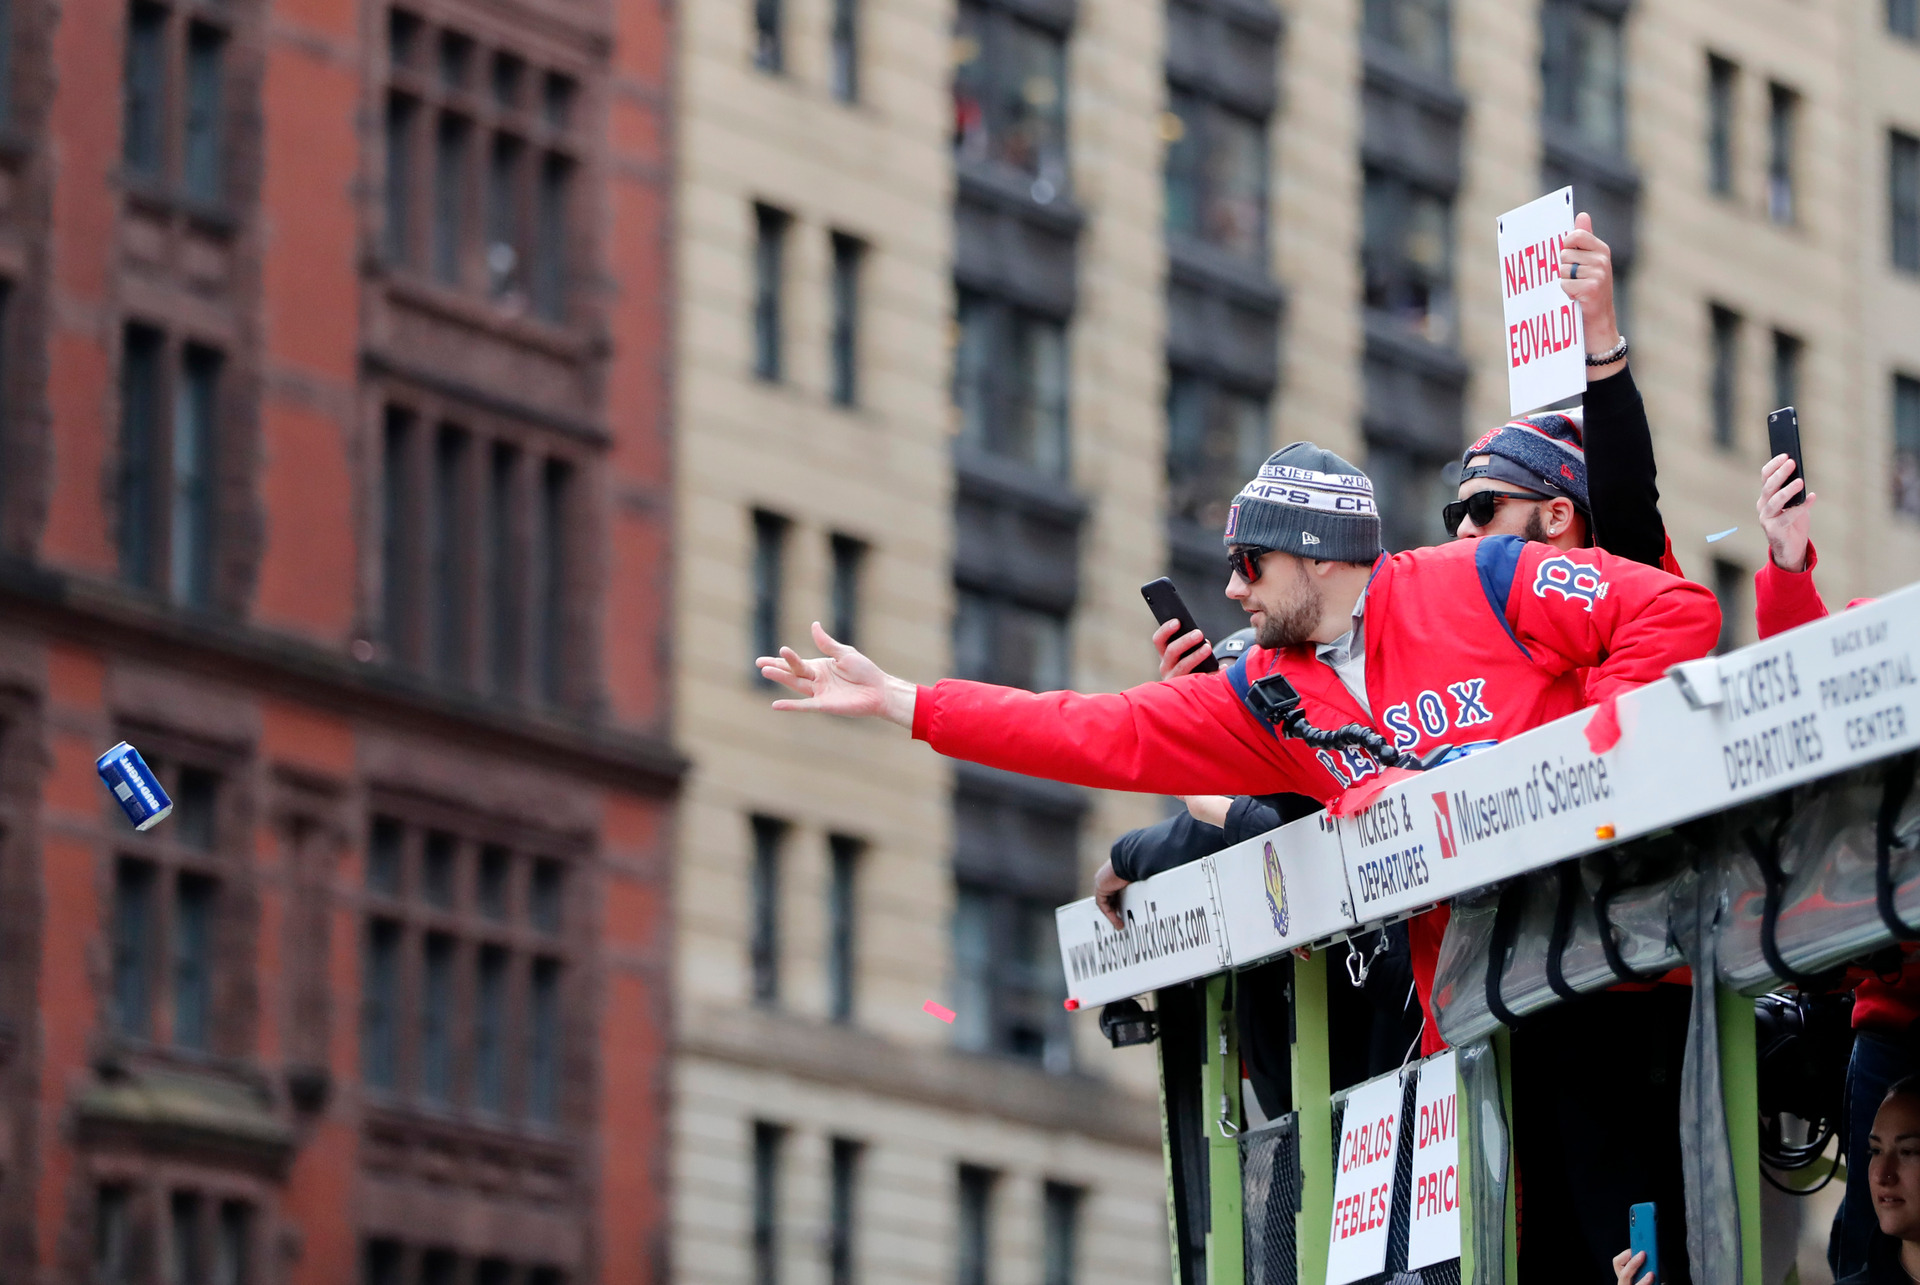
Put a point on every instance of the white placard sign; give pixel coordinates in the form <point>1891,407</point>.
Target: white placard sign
<point>1546,345</point>
<point>1433,1236</point>
<point>1363,1181</point>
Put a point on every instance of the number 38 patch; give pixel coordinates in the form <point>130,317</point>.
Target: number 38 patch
<point>1574,581</point>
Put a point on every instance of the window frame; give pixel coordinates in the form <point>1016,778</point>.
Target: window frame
<point>153,518</point>
<point>1783,149</point>
<point>1904,413</point>
<point>1726,330</point>
<point>1903,201</point>
<point>1723,115</point>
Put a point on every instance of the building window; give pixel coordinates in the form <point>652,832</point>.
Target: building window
<point>1903,18</point>
<point>1903,199</point>
<point>1583,70</point>
<point>843,1190</point>
<point>848,254</point>
<point>845,71</point>
<point>763,942</point>
<point>170,55</point>
<point>169,446</point>
<point>843,906</point>
<point>769,576</point>
<point>493,199</point>
<point>463,981</point>
<point>476,555</point>
<point>1723,81</point>
<point>384,1261</point>
<point>1217,438</point>
<point>769,274</point>
<point>849,566</point>
<point>975,1230</point>
<point>193,963</point>
<point>1417,28</point>
<point>1000,640</point>
<point>142,133</point>
<point>1906,446</point>
<point>769,50</point>
<point>1730,587</point>
<point>1408,254</point>
<point>134,914</point>
<point>1787,353</point>
<point>200,162</point>
<point>769,1144</point>
<point>1010,97</point>
<point>1783,109</point>
<point>1216,175</point>
<point>1724,382</point>
<point>1062,1233</point>
<point>1010,382</point>
<point>113,1257</point>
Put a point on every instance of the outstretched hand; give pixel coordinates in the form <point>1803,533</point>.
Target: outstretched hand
<point>842,682</point>
<point>1788,529</point>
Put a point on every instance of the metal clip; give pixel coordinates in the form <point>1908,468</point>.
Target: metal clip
<point>1358,965</point>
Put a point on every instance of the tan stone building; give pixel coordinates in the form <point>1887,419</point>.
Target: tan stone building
<point>985,309</point>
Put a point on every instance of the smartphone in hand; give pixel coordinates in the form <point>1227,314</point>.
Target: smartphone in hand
<point>1783,436</point>
<point>1165,603</point>
<point>1643,1237</point>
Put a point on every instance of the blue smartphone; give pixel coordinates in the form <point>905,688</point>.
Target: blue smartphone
<point>1643,1237</point>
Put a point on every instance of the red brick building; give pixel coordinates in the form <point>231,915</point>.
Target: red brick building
<point>333,475</point>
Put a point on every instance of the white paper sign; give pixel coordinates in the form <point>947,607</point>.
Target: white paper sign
<point>1434,1234</point>
<point>1546,346</point>
<point>1363,1181</point>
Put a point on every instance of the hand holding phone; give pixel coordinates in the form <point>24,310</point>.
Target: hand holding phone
<point>1783,436</point>
<point>1164,600</point>
<point>1643,1237</point>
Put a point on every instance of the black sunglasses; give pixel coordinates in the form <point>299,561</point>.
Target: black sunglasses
<point>1243,560</point>
<point>1480,506</point>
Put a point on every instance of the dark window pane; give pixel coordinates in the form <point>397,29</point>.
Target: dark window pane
<point>402,112</point>
<point>1783,106</point>
<point>187,1252</point>
<point>551,564</point>
<point>769,253</point>
<point>545,896</point>
<point>1725,375</point>
<point>1906,446</point>
<point>231,1244</point>
<point>1787,350</point>
<point>449,560</point>
<point>1408,256</point>
<point>1062,1234</point>
<point>200,150</point>
<point>1410,489</point>
<point>975,1225</point>
<point>142,139</point>
<point>769,1141</point>
<point>489,1031</point>
<point>763,947</point>
<point>439,868</point>
<point>1722,82</point>
<point>508,73</point>
<point>999,641</point>
<point>543,1042</point>
<point>1010,97</point>
<point>501,574</point>
<point>1184,128</point>
<point>436,1020</point>
<point>380,1007</point>
<point>769,574</point>
<point>456,59</point>
<point>1730,581</point>
<point>503,214</point>
<point>195,449</point>
<point>842,925</point>
<point>768,55</point>
<point>140,443</point>
<point>381,1263</point>
<point>450,144</point>
<point>1216,440</point>
<point>1584,73</point>
<point>113,1240</point>
<point>1010,381</point>
<point>849,564</point>
<point>550,239</point>
<point>439,1267</point>
<point>1903,18</point>
<point>133,945</point>
<point>398,509</point>
<point>496,865</point>
<point>1217,176</point>
<point>403,37</point>
<point>546,1276</point>
<point>195,811</point>
<point>6,62</point>
<point>845,72</point>
<point>1417,28</point>
<point>493,1271</point>
<point>842,1210</point>
<point>847,255</point>
<point>556,101</point>
<point>384,850</point>
<point>1903,193</point>
<point>193,963</point>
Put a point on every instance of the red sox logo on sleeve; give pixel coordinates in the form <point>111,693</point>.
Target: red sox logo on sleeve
<point>1574,581</point>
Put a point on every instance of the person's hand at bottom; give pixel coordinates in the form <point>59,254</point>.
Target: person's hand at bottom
<point>1107,887</point>
<point>1626,1263</point>
<point>1179,655</point>
<point>1788,529</point>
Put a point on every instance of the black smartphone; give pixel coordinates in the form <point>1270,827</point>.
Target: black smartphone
<point>1164,601</point>
<point>1783,436</point>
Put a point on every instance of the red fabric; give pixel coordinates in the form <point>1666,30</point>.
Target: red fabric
<point>1355,800</point>
<point>1783,599</point>
<point>1436,653</point>
<point>1603,729</point>
<point>1669,563</point>
<point>1892,1007</point>
<point>1424,934</point>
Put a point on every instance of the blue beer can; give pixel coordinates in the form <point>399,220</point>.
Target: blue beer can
<point>134,786</point>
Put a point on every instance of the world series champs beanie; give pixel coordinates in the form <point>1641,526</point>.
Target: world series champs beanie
<point>1308,502</point>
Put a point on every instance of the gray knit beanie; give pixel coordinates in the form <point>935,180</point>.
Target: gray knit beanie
<point>1308,502</point>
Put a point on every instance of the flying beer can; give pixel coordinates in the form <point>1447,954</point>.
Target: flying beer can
<point>134,786</point>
